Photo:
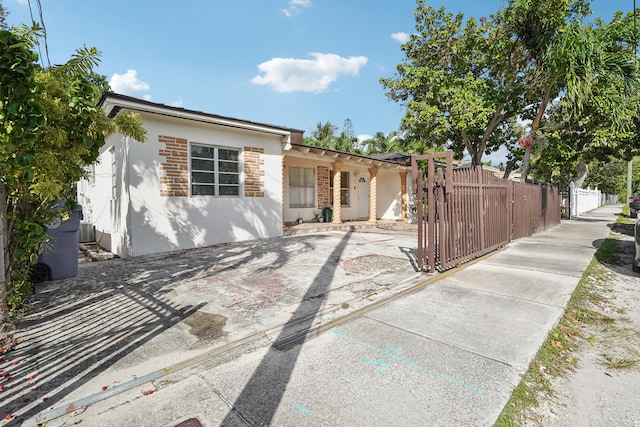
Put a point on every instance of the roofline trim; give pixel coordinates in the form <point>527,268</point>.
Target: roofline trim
<point>112,103</point>
<point>340,155</point>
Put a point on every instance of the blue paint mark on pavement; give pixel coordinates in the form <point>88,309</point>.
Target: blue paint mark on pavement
<point>409,362</point>
<point>300,408</point>
<point>392,348</point>
<point>382,365</point>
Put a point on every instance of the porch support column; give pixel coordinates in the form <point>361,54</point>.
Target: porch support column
<point>403,194</point>
<point>337,185</point>
<point>373,195</point>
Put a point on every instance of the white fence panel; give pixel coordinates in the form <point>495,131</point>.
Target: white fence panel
<point>584,200</point>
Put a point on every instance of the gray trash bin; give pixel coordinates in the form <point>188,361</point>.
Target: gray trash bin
<point>60,259</point>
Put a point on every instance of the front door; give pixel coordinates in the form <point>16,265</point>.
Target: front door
<point>363,197</point>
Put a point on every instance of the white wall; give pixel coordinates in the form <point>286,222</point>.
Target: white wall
<point>161,224</point>
<point>389,194</point>
<point>95,195</point>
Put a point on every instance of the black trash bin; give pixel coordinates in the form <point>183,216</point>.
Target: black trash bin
<point>327,214</point>
<point>60,258</point>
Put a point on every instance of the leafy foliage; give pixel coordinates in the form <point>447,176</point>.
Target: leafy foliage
<point>462,83</point>
<point>324,136</point>
<point>599,124</point>
<point>50,129</point>
<point>3,17</point>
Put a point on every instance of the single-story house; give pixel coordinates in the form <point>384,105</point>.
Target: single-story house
<point>202,179</point>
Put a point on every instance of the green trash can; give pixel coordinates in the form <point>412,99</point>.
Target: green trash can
<point>327,214</point>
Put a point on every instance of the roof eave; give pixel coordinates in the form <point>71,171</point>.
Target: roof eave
<point>113,102</point>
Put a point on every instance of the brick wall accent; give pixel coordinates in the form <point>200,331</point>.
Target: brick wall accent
<point>175,180</point>
<point>324,193</point>
<point>253,172</point>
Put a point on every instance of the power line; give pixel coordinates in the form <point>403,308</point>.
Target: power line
<point>44,29</point>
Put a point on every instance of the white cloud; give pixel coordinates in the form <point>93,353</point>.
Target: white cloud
<point>177,103</point>
<point>400,37</point>
<point>128,83</point>
<point>307,75</point>
<point>364,137</point>
<point>295,5</point>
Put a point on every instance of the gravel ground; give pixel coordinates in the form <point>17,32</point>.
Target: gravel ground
<point>604,390</point>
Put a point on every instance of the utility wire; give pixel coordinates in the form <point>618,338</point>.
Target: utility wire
<point>44,30</point>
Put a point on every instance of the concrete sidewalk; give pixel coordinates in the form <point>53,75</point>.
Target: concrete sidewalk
<point>189,335</point>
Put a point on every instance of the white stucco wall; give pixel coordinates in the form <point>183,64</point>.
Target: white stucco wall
<point>108,214</point>
<point>140,221</point>
<point>389,195</point>
<point>161,224</point>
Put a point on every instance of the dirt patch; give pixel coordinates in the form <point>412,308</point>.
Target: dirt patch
<point>206,325</point>
<point>372,264</point>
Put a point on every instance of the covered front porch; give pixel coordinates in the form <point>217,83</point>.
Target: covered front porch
<point>356,188</point>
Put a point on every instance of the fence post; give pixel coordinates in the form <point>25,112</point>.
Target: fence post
<point>573,202</point>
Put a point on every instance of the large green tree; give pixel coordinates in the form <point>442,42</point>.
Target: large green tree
<point>462,82</point>
<point>576,62</point>
<point>599,120</point>
<point>50,129</point>
<point>3,17</point>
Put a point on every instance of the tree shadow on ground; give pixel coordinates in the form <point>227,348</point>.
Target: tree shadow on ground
<point>79,327</point>
<point>262,394</point>
<point>65,348</point>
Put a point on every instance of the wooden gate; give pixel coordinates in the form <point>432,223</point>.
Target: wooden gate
<point>461,214</point>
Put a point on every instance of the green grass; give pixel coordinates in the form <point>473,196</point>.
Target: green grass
<point>612,362</point>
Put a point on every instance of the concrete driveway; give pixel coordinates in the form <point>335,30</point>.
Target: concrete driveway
<point>122,319</point>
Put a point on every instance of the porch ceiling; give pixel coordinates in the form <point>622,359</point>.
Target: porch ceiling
<point>325,154</point>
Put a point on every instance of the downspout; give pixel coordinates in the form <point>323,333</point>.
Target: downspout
<point>126,194</point>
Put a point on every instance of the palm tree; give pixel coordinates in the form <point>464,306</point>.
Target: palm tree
<point>381,143</point>
<point>570,60</point>
<point>323,135</point>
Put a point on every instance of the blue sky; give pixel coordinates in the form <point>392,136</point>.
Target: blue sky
<point>290,63</point>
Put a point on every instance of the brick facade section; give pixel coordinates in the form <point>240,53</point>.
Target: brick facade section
<point>174,182</point>
<point>324,192</point>
<point>253,172</point>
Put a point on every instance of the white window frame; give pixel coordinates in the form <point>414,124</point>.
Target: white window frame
<point>345,193</point>
<point>304,189</point>
<point>216,185</point>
